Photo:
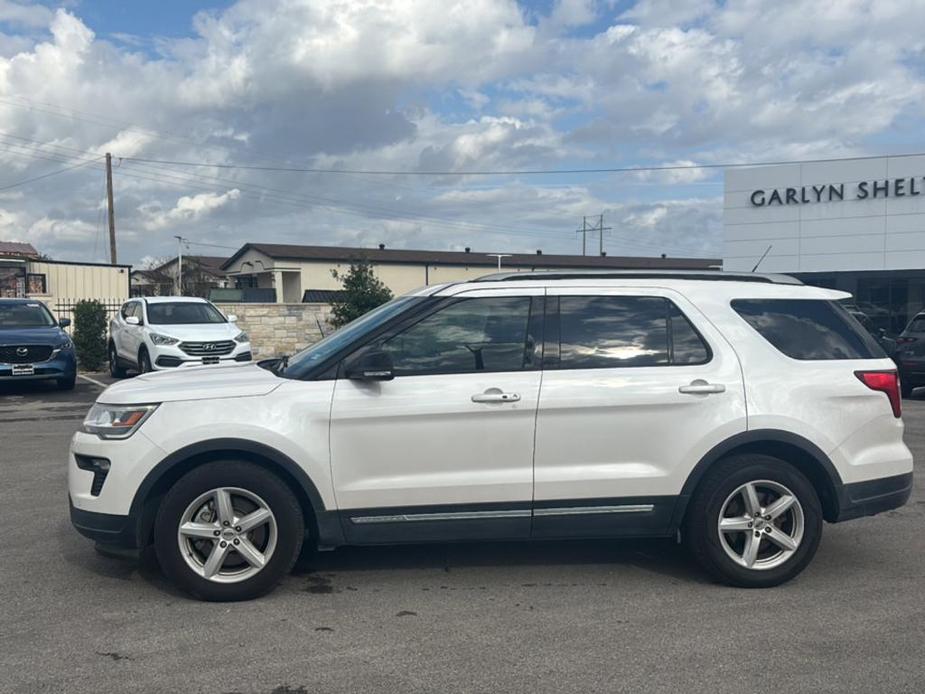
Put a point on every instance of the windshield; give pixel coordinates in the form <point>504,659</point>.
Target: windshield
<point>183,313</point>
<point>301,362</point>
<point>25,315</point>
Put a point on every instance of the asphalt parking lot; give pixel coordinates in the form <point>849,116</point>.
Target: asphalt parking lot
<point>537,617</point>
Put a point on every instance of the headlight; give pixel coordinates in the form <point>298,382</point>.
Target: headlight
<point>159,339</point>
<point>116,421</point>
<point>64,344</point>
<point>242,337</point>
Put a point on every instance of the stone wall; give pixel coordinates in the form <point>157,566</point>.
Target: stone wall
<point>277,329</point>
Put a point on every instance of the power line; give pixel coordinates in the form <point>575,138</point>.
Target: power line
<point>522,172</point>
<point>47,175</point>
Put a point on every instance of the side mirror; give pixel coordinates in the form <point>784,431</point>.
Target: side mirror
<point>133,320</point>
<point>232,318</point>
<point>882,332</point>
<point>374,365</point>
<point>64,322</point>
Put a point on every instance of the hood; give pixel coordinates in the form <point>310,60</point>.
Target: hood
<point>197,331</point>
<point>196,383</point>
<point>50,335</point>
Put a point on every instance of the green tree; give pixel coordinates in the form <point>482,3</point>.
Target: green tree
<point>90,334</point>
<point>363,292</point>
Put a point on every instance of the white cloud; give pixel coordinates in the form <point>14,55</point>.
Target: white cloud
<point>188,209</point>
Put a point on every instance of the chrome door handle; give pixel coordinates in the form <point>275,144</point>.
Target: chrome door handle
<point>701,387</point>
<point>495,395</point>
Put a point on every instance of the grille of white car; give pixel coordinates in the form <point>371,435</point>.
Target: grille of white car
<point>208,349</point>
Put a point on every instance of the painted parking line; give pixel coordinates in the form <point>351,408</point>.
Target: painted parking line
<point>93,381</point>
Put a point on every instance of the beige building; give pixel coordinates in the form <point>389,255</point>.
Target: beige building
<point>296,271</point>
<point>60,284</point>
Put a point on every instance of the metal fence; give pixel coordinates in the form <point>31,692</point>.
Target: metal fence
<point>64,308</point>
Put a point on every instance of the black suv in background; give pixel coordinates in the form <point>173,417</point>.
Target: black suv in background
<point>910,355</point>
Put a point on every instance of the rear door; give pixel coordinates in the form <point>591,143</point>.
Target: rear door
<point>445,450</point>
<point>637,387</point>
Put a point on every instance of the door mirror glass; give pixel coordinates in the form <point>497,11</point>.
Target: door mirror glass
<point>64,322</point>
<point>133,320</point>
<point>372,365</point>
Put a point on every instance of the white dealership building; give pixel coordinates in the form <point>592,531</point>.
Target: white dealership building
<point>857,225</point>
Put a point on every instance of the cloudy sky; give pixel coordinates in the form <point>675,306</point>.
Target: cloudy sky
<point>449,86</point>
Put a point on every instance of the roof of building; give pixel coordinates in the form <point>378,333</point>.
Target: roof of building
<point>538,260</point>
<point>323,296</point>
<point>209,263</point>
<point>18,250</point>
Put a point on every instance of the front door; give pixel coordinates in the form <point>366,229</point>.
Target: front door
<point>637,387</point>
<point>445,450</point>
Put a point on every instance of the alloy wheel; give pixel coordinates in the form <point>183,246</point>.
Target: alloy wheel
<point>761,525</point>
<point>227,535</point>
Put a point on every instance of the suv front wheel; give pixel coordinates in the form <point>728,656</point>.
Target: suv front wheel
<point>755,521</point>
<point>228,530</point>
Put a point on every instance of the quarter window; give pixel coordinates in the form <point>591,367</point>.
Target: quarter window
<point>809,328</point>
<point>599,332</point>
<point>469,335</point>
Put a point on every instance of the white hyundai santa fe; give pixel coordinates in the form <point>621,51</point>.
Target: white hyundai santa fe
<point>169,332</point>
<point>735,412</point>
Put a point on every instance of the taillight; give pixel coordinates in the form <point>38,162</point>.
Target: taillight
<point>885,382</point>
<point>905,340</point>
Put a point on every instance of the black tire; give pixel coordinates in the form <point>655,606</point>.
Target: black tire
<point>144,361</point>
<point>701,532</point>
<point>66,383</point>
<point>115,369</point>
<point>243,475</point>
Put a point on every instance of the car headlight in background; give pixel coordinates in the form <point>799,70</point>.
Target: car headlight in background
<point>159,339</point>
<point>116,421</point>
<point>242,337</point>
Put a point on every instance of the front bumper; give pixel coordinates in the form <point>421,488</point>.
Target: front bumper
<point>62,365</point>
<point>104,528</point>
<point>165,357</point>
<point>873,496</point>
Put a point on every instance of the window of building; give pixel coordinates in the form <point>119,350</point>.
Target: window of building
<point>35,283</point>
<point>600,332</point>
<point>12,282</point>
<point>468,336</point>
<point>809,328</point>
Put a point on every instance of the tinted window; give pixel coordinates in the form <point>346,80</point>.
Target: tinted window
<point>917,325</point>
<point>25,315</point>
<point>488,334</point>
<point>183,313</point>
<point>127,309</point>
<point>624,331</point>
<point>809,328</point>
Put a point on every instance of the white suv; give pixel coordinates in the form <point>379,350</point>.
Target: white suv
<point>169,332</point>
<point>736,412</point>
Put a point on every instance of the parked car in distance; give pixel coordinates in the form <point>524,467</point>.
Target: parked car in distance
<point>701,405</point>
<point>910,355</point>
<point>34,346</point>
<point>170,332</point>
<point>879,334</point>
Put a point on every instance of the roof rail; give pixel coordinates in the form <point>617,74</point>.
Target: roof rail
<point>704,275</point>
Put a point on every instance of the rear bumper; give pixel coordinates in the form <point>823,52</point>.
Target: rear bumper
<point>104,528</point>
<point>873,496</point>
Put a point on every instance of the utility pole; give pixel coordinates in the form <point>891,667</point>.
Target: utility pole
<point>584,235</point>
<point>179,265</point>
<point>112,212</point>
<point>601,228</point>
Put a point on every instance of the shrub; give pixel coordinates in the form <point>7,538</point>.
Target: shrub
<point>364,292</point>
<point>90,334</point>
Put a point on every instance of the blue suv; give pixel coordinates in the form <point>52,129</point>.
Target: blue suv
<point>33,345</point>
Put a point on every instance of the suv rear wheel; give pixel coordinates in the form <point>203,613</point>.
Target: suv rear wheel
<point>755,521</point>
<point>228,531</point>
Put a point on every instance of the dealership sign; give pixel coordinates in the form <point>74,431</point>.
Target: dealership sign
<point>864,190</point>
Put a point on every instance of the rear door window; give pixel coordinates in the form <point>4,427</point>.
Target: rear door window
<point>809,329</point>
<point>917,325</point>
<point>601,332</point>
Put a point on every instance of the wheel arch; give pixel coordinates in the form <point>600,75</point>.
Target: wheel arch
<point>323,525</point>
<point>800,452</point>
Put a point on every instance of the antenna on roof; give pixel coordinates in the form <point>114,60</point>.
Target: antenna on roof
<point>768,250</point>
